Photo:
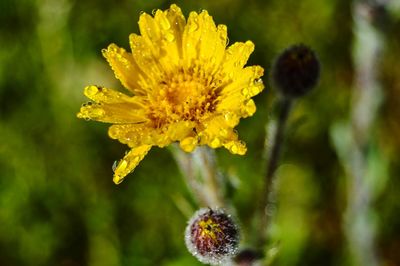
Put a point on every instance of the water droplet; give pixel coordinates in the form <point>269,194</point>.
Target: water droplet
<point>223,132</point>
<point>193,26</point>
<point>136,160</point>
<point>215,143</point>
<point>249,45</point>
<point>188,144</point>
<point>234,149</point>
<point>250,107</point>
<point>96,112</point>
<point>212,60</point>
<point>258,81</point>
<point>254,90</point>
<point>153,12</point>
<point>230,119</point>
<point>91,91</point>
<point>121,165</point>
<point>164,22</point>
<point>245,91</point>
<point>114,166</point>
<point>169,37</point>
<point>118,180</point>
<point>237,147</point>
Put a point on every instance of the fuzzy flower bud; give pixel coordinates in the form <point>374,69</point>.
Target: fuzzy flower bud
<point>296,71</point>
<point>212,236</point>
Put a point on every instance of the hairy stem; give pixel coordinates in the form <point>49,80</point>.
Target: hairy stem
<point>272,165</point>
<point>201,175</point>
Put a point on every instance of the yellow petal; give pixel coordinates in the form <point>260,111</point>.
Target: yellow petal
<point>236,147</point>
<point>236,57</point>
<point>104,95</point>
<point>142,52</point>
<point>129,162</point>
<point>245,85</point>
<point>203,41</point>
<point>190,39</point>
<point>188,144</point>
<point>177,21</point>
<point>123,112</point>
<point>219,132</point>
<point>158,48</point>
<point>131,134</point>
<point>124,67</point>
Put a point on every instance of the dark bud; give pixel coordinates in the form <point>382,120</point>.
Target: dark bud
<point>296,71</point>
<point>212,236</point>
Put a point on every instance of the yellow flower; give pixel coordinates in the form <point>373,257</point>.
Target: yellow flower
<point>184,85</point>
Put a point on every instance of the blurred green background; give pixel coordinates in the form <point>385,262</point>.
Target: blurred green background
<point>58,205</point>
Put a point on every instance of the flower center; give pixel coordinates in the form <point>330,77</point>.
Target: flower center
<point>210,228</point>
<point>185,96</point>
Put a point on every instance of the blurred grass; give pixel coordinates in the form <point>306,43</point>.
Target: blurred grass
<point>58,205</point>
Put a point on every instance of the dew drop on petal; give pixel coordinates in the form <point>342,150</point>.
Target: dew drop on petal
<point>250,107</point>
<point>91,91</point>
<point>254,90</point>
<point>164,22</point>
<point>231,119</point>
<point>193,26</point>
<point>245,92</point>
<point>234,149</point>
<point>121,166</point>
<point>215,143</point>
<point>169,37</point>
<point>188,144</point>
<point>223,132</point>
<point>96,112</point>
<point>118,180</point>
<point>114,166</point>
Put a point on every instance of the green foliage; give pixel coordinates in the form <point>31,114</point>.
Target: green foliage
<point>58,204</point>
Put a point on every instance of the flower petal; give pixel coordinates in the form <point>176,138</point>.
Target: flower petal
<point>158,49</point>
<point>144,134</point>
<point>129,162</point>
<point>235,97</point>
<point>124,67</point>
<point>112,106</point>
<point>203,41</point>
<point>103,95</point>
<point>237,54</point>
<point>177,21</point>
<point>218,131</point>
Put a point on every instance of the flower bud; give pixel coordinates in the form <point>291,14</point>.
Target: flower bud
<point>212,236</point>
<point>296,71</point>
